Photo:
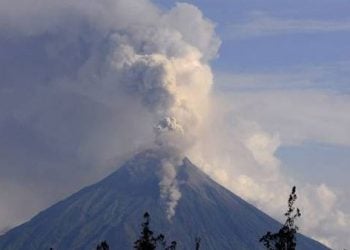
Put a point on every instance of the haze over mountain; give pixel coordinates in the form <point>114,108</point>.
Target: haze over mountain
<point>112,210</point>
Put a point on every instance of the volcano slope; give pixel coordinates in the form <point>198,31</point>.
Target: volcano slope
<point>112,210</point>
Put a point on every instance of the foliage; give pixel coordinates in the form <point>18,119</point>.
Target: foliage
<point>103,246</point>
<point>148,241</point>
<point>198,242</point>
<point>285,238</point>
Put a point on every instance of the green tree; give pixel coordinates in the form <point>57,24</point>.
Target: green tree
<point>285,238</point>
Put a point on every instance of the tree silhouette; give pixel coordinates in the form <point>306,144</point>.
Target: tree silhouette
<point>172,246</point>
<point>102,246</point>
<point>149,242</point>
<point>285,238</point>
<point>198,242</point>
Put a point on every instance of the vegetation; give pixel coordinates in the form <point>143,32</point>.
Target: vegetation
<point>198,243</point>
<point>285,238</point>
<point>148,241</point>
<point>102,246</point>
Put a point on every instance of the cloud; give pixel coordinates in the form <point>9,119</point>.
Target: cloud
<point>246,129</point>
<point>332,76</point>
<point>297,115</point>
<point>241,155</point>
<point>265,111</point>
<point>261,24</point>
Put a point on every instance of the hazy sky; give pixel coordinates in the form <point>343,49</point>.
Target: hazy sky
<point>280,101</point>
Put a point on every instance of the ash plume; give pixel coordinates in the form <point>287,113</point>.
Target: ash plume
<point>169,189</point>
<point>121,76</point>
<point>169,76</point>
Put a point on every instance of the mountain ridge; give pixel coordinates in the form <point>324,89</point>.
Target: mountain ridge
<point>112,210</point>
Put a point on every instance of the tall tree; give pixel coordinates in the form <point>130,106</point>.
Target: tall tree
<point>148,241</point>
<point>285,238</point>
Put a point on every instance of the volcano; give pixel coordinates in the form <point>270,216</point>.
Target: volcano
<point>112,210</point>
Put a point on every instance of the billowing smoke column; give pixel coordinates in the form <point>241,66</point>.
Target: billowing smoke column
<point>128,73</point>
<point>161,67</point>
<point>169,76</point>
<point>120,75</point>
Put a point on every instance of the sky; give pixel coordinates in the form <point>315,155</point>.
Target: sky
<point>285,66</point>
<point>278,108</point>
<point>288,62</point>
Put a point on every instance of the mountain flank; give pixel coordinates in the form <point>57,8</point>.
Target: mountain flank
<point>112,210</point>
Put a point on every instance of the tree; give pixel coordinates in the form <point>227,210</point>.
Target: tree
<point>149,242</point>
<point>285,238</point>
<point>103,246</point>
<point>172,246</point>
<point>198,242</point>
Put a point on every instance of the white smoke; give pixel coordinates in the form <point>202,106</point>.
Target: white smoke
<point>241,155</point>
<point>169,189</point>
<point>155,65</point>
<point>169,77</point>
<point>120,74</point>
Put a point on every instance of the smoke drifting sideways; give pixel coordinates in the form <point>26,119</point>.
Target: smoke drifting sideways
<point>241,155</point>
<point>88,83</point>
